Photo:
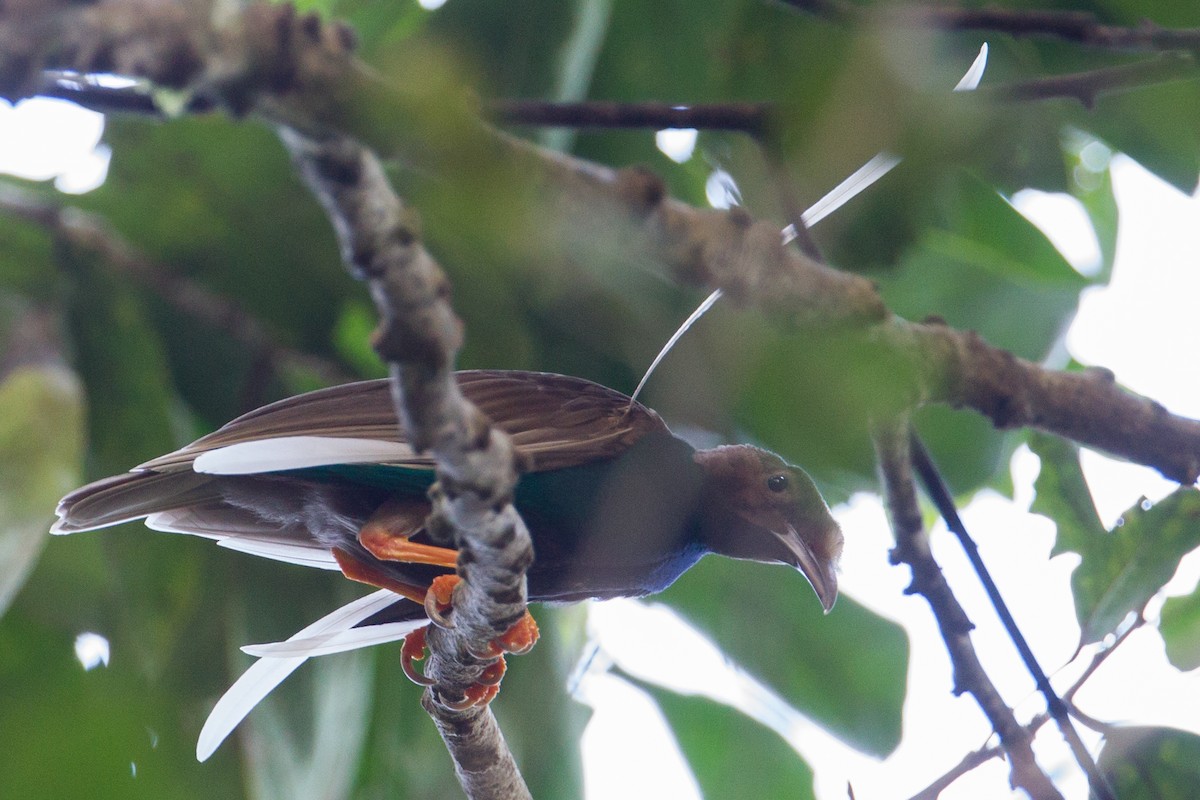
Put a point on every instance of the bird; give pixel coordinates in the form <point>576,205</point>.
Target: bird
<point>616,506</point>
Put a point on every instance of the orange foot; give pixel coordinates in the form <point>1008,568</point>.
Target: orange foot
<point>518,639</point>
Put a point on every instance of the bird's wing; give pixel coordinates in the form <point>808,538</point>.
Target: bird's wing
<point>555,420</point>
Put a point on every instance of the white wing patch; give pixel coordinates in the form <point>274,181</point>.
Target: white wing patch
<point>303,555</point>
<point>298,452</point>
<point>265,674</point>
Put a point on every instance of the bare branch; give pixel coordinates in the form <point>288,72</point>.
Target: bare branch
<point>912,548</point>
<point>969,762</point>
<point>1081,27</point>
<point>937,490</point>
<point>1087,87</point>
<point>751,118</point>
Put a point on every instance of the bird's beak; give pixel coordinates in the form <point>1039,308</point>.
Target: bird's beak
<point>821,572</point>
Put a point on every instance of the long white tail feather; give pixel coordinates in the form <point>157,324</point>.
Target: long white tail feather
<point>353,639</point>
<point>970,81</point>
<point>302,555</point>
<point>298,452</point>
<point>265,674</point>
<point>854,185</point>
<point>879,165</point>
<point>666,348</point>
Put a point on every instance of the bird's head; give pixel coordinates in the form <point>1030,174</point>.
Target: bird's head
<point>764,509</point>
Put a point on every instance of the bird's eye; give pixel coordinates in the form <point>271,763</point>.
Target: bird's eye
<point>777,483</point>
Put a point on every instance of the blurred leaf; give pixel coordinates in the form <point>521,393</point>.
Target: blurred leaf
<point>1151,763</point>
<point>847,670</point>
<point>1122,569</point>
<point>218,203</point>
<point>1158,126</point>
<point>978,263</point>
<point>335,728</point>
<point>1180,629</point>
<point>112,732</point>
<point>352,338</point>
<point>1092,185</point>
<point>120,359</point>
<point>731,755</point>
<point>41,430</point>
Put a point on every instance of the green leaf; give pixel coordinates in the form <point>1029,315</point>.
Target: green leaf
<point>847,670</point>
<point>979,262</point>
<point>731,755</point>
<point>1158,126</point>
<point>1092,185</point>
<point>1151,763</point>
<point>1180,629</point>
<point>335,728</point>
<point>1120,570</point>
<point>1063,495</point>
<point>41,446</point>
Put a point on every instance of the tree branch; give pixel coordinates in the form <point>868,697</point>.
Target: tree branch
<point>751,118</point>
<point>295,70</point>
<point>912,548</point>
<point>1087,87</point>
<point>419,336</point>
<point>939,493</point>
<point>1080,27</point>
<point>93,233</point>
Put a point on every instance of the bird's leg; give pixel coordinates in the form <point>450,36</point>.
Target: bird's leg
<point>358,570</point>
<point>386,535</point>
<point>518,639</point>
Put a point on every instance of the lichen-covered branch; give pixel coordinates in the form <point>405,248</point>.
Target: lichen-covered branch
<point>419,336</point>
<point>912,549</point>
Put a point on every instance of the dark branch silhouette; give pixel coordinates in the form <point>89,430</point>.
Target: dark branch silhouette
<point>912,548</point>
<point>939,493</point>
<point>1080,27</point>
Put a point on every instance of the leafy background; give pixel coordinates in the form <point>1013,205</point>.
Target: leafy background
<point>117,375</point>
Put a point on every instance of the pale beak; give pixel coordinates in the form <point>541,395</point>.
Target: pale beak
<point>821,572</point>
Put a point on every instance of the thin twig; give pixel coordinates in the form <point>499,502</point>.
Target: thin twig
<point>1098,659</point>
<point>1088,87</point>
<point>969,762</point>
<point>792,209</point>
<point>912,548</point>
<point>937,490</point>
<point>751,118</point>
<point>1080,27</point>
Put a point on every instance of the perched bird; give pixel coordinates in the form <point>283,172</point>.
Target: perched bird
<point>615,504</point>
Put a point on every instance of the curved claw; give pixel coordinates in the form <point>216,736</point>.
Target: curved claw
<point>477,695</point>
<point>414,650</point>
<point>521,637</point>
<point>439,600</point>
<point>492,674</point>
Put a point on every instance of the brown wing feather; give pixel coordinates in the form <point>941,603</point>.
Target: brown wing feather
<point>556,420</point>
